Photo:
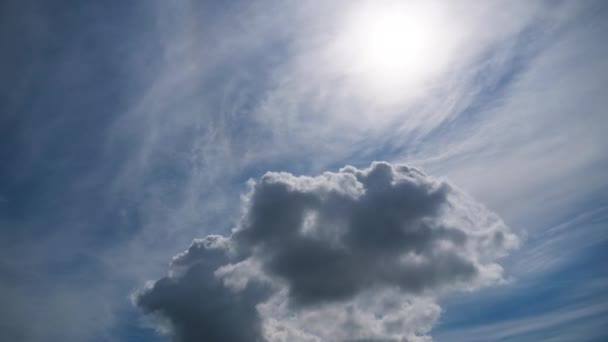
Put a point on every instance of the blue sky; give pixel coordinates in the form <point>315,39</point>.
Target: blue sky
<point>127,129</point>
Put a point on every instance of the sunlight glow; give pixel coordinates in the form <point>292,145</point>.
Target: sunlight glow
<point>391,42</point>
<point>394,47</point>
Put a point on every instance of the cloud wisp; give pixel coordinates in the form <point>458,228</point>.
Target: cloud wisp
<point>348,255</point>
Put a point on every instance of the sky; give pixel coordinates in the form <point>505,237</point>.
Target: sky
<point>303,170</point>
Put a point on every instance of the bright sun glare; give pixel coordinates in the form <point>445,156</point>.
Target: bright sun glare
<point>393,46</point>
<point>391,42</point>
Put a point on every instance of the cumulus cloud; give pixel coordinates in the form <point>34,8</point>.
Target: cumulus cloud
<point>196,306</point>
<point>357,254</point>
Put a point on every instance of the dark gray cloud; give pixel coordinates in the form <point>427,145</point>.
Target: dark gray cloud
<point>197,306</point>
<point>338,234</point>
<point>320,243</point>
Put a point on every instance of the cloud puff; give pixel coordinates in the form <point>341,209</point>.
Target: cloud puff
<point>197,306</point>
<point>356,254</point>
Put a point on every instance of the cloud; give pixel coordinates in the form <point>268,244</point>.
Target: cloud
<point>486,150</point>
<point>347,255</point>
<point>200,308</point>
<point>320,88</point>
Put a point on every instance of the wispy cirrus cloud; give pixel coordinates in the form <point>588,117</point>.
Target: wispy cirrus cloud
<point>565,324</point>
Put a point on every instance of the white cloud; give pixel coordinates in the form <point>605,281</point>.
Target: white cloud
<point>370,248</point>
<point>542,132</point>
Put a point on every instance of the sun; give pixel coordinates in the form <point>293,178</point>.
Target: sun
<point>392,46</point>
<point>390,42</point>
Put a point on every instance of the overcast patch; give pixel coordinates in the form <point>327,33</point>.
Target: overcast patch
<point>351,255</point>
